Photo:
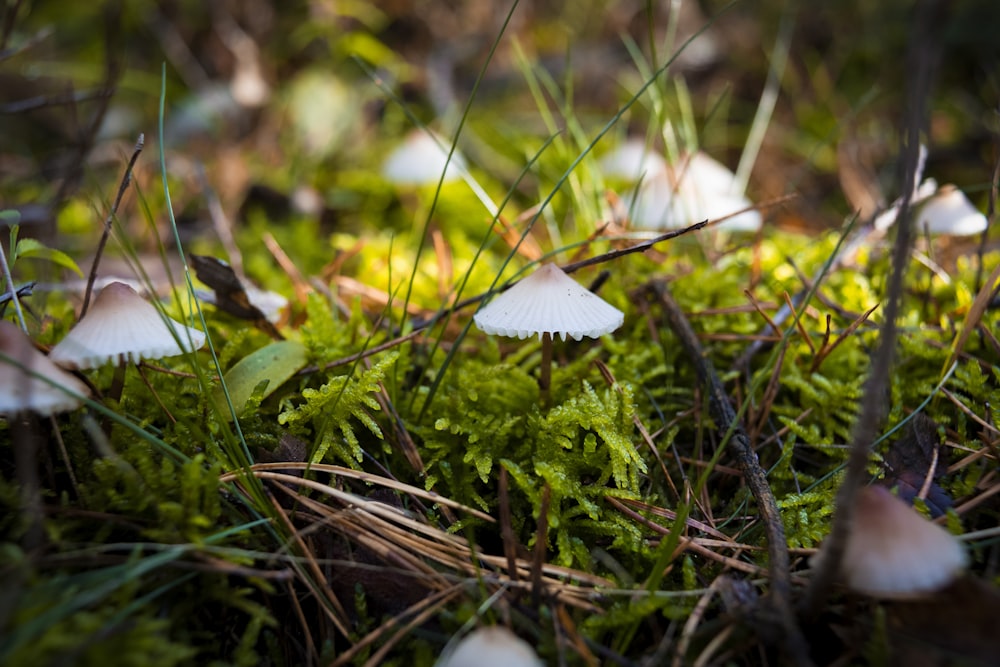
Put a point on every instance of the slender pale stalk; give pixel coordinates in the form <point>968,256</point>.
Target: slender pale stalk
<point>545,372</point>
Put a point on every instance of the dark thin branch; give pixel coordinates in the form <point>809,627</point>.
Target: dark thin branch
<point>122,187</point>
<point>923,57</point>
<point>756,479</point>
<point>639,247</point>
<point>569,268</point>
<point>21,292</point>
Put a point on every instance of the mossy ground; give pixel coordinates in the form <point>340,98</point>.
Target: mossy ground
<point>431,482</point>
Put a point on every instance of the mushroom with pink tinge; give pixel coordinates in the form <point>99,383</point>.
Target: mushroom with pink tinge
<point>36,384</point>
<point>894,552</point>
<point>490,647</point>
<point>548,303</point>
<point>121,326</point>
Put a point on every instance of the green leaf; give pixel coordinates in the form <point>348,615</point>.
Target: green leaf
<point>31,248</point>
<point>272,365</point>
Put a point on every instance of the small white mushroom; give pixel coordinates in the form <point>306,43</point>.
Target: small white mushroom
<point>666,197</point>
<point>421,159</point>
<point>894,552</point>
<point>493,646</point>
<point>122,326</point>
<point>949,211</point>
<point>707,191</point>
<point>633,161</point>
<point>548,303</point>
<point>941,210</point>
<point>20,389</point>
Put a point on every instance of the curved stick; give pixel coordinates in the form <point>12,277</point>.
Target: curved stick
<point>795,645</point>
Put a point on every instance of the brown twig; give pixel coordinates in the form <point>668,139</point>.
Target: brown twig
<point>828,347</point>
<point>122,187</point>
<point>923,55</point>
<point>754,475</point>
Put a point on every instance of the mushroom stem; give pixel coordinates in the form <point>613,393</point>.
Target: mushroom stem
<point>545,372</point>
<point>115,394</point>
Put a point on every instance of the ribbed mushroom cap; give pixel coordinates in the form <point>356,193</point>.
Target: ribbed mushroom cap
<point>549,301</point>
<point>494,646</point>
<point>20,391</point>
<point>122,326</point>
<point>894,552</point>
<point>420,159</point>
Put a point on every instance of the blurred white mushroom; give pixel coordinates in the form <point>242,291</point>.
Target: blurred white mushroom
<point>666,197</point>
<point>707,190</point>
<point>20,389</point>
<point>941,210</point>
<point>122,326</point>
<point>894,552</point>
<point>493,646</point>
<point>633,161</point>
<point>421,159</point>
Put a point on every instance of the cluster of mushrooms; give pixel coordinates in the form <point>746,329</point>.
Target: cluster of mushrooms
<point>892,552</point>
<point>119,327</point>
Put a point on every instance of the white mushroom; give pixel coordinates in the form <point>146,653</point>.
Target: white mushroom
<point>122,326</point>
<point>548,303</point>
<point>20,388</point>
<point>707,191</point>
<point>421,159</point>
<point>633,161</point>
<point>894,552</point>
<point>941,210</point>
<point>494,646</point>
<point>949,211</point>
<point>697,188</point>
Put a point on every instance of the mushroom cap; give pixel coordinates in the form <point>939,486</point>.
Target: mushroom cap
<point>549,301</point>
<point>122,326</point>
<point>698,188</point>
<point>20,391</point>
<point>941,210</point>
<point>708,191</point>
<point>633,161</point>
<point>421,159</point>
<point>894,552</point>
<point>949,211</point>
<point>493,646</point>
